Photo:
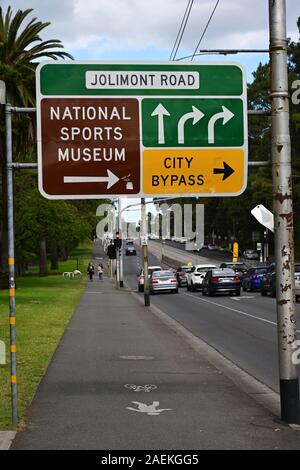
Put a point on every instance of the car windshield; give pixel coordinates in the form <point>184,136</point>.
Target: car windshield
<point>223,272</point>
<point>297,268</point>
<point>154,268</point>
<point>184,269</point>
<point>164,274</point>
<point>260,270</point>
<point>204,269</point>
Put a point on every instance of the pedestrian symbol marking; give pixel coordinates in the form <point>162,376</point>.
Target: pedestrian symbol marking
<point>151,410</point>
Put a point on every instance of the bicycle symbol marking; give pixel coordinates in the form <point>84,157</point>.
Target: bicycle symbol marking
<point>140,388</point>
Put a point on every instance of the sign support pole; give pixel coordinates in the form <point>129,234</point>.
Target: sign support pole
<point>11,265</point>
<point>283,214</point>
<point>145,252</point>
<point>121,248</point>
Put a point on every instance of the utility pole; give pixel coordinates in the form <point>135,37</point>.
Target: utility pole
<point>283,213</point>
<point>145,252</point>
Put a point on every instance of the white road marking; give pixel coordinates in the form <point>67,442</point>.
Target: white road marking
<point>141,388</point>
<point>234,310</point>
<point>242,298</point>
<point>151,410</point>
<point>137,358</point>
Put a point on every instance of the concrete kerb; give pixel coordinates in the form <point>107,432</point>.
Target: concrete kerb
<point>260,392</point>
<point>6,438</point>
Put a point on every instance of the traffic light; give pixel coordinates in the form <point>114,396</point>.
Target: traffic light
<point>118,240</point>
<point>111,252</point>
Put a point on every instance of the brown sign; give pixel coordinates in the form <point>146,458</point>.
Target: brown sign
<point>90,146</point>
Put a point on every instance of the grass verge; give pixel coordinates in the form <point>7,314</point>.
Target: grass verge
<point>44,307</point>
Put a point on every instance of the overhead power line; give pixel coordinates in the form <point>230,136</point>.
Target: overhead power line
<point>181,29</point>
<point>205,29</point>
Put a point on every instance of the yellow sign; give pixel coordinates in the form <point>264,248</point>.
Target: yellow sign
<point>235,253</point>
<point>193,171</point>
<point>189,263</point>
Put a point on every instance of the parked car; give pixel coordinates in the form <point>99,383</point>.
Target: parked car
<point>251,254</point>
<point>252,280</point>
<point>213,247</point>
<point>268,282</point>
<point>240,268</point>
<point>196,275</point>
<point>163,281</point>
<point>130,250</point>
<point>181,275</point>
<point>221,280</point>
<point>141,276</point>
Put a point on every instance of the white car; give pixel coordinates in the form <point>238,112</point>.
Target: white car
<point>297,280</point>
<point>196,275</point>
<point>151,269</point>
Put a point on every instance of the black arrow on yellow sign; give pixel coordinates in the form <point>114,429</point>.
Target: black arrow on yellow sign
<point>226,171</point>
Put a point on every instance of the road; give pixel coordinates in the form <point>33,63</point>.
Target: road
<point>243,329</point>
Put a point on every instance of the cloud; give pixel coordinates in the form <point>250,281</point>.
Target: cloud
<point>131,26</point>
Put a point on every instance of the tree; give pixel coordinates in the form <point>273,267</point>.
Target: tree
<point>20,47</point>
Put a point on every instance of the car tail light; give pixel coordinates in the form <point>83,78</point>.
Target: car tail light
<point>254,276</point>
<point>154,281</point>
<point>173,280</point>
<point>236,278</point>
<point>214,279</point>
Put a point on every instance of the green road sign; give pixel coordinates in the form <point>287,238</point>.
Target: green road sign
<point>192,122</point>
<point>141,129</point>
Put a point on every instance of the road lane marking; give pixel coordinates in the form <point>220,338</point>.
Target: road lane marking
<point>233,310</point>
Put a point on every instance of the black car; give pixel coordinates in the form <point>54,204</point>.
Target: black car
<point>181,275</point>
<point>130,250</point>
<point>240,268</point>
<point>268,282</point>
<point>221,280</point>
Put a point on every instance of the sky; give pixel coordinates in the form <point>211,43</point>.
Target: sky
<point>146,30</point>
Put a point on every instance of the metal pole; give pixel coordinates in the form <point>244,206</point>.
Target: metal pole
<point>121,248</point>
<point>283,213</point>
<point>145,252</point>
<point>117,252</point>
<point>11,266</point>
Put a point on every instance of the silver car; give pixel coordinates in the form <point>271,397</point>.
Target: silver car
<point>163,281</point>
<point>141,276</point>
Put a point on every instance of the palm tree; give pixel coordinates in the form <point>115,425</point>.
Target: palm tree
<point>21,47</point>
<point>19,51</point>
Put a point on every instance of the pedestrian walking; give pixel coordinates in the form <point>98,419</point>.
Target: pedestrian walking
<point>100,271</point>
<point>91,271</point>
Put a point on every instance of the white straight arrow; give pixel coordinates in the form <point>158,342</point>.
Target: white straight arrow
<point>110,179</point>
<point>196,115</point>
<point>160,111</point>
<point>226,115</point>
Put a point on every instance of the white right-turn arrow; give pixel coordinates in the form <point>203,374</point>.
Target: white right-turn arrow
<point>160,111</point>
<point>196,115</point>
<point>110,179</point>
<point>226,115</point>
